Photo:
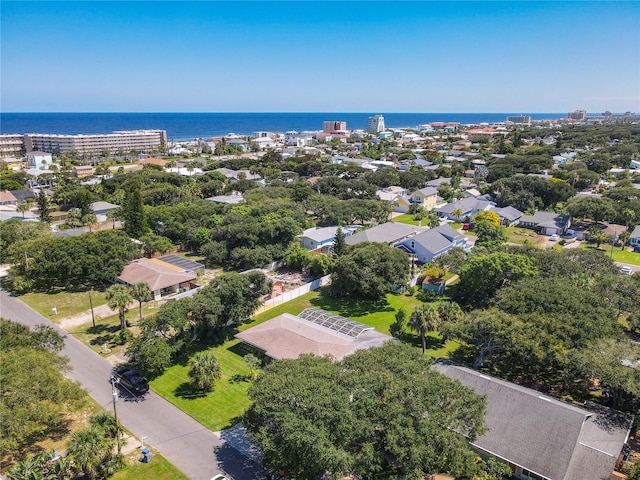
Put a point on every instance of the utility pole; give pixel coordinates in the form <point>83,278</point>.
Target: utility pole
<point>114,397</point>
<point>93,318</point>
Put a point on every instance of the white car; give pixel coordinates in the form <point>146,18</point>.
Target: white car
<point>554,237</point>
<point>626,270</point>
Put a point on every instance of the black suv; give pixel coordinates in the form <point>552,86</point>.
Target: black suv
<point>131,380</point>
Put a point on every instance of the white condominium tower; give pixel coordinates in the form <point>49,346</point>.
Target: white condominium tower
<point>375,124</point>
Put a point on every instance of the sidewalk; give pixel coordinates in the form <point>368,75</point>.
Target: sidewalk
<point>103,311</point>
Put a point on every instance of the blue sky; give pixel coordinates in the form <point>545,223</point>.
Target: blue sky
<point>320,56</point>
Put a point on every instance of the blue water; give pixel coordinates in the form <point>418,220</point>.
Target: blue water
<point>187,126</point>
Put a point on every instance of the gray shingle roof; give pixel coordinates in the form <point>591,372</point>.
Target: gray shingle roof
<point>386,233</point>
<point>636,232</point>
<point>546,219</point>
<point>466,205</point>
<point>436,239</point>
<point>554,439</point>
<point>509,213</point>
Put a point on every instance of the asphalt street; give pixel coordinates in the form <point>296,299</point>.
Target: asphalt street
<point>192,448</point>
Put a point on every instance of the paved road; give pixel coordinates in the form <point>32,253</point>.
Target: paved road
<point>634,268</point>
<point>188,445</point>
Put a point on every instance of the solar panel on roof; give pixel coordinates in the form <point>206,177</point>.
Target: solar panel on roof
<point>334,322</point>
<point>182,262</point>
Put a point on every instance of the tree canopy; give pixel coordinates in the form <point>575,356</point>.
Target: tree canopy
<point>369,270</point>
<point>379,413</point>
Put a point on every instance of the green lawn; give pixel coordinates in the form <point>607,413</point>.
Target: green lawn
<point>618,255</point>
<point>158,469</point>
<point>406,218</point>
<point>67,303</point>
<point>217,409</point>
<point>220,409</point>
<point>521,235</point>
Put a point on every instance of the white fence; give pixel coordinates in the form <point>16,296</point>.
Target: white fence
<point>295,293</point>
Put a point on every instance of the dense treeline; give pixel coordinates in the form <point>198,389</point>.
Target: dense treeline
<point>210,315</point>
<point>35,395</point>
<point>91,259</point>
<point>552,320</point>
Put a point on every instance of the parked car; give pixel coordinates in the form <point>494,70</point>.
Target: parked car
<point>220,477</point>
<point>626,270</point>
<point>554,237</point>
<point>131,380</point>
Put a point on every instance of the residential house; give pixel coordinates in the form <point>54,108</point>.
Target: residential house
<point>540,437</point>
<point>234,175</point>
<point>313,331</point>
<point>39,160</point>
<point>100,209</point>
<point>323,238</point>
<point>162,277</point>
<point>634,240</point>
<point>7,198</point>
<point>469,208</point>
<point>509,216</point>
<point>81,171</point>
<point>432,243</point>
<point>390,194</point>
<point>389,233</point>
<point>546,223</point>
<point>426,198</point>
<point>436,182</point>
<point>24,196</point>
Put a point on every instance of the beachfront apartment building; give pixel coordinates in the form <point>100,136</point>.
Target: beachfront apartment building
<point>375,124</point>
<point>11,145</point>
<point>334,126</point>
<point>119,142</point>
<point>579,115</point>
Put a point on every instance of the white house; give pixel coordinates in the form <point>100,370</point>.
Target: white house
<point>39,160</point>
<point>634,240</point>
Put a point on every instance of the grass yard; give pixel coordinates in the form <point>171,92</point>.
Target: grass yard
<point>217,409</point>
<point>406,218</point>
<point>67,303</point>
<point>107,329</point>
<point>221,407</point>
<point>522,235</point>
<point>158,469</point>
<point>618,255</point>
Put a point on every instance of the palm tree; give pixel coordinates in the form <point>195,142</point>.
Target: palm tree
<point>142,293</point>
<point>118,298</point>
<point>424,318</point>
<point>629,215</point>
<point>598,236</point>
<point>204,370</point>
<point>457,213</point>
<point>87,449</point>
<point>23,207</point>
<point>450,312</point>
<point>113,215</point>
<point>89,220</point>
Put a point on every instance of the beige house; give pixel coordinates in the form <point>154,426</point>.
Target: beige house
<point>426,198</point>
<point>162,278</point>
<point>313,331</point>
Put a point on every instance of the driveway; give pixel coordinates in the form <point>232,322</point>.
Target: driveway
<point>634,268</point>
<point>192,448</point>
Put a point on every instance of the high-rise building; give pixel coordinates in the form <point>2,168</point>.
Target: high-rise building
<point>579,115</point>
<point>333,126</point>
<point>375,124</point>
<point>11,145</point>
<point>143,141</point>
<point>520,119</point>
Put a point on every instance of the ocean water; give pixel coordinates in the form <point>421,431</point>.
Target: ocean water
<point>187,126</point>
